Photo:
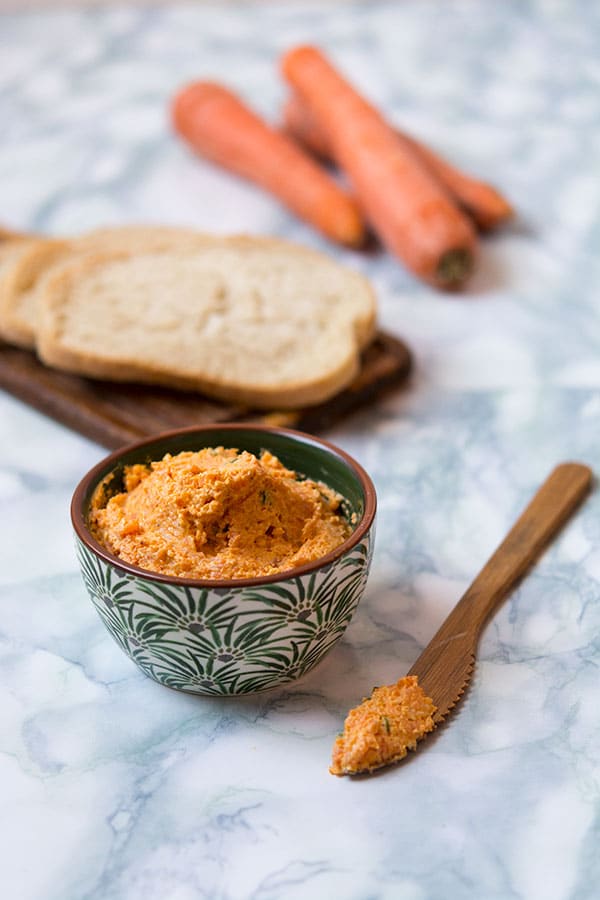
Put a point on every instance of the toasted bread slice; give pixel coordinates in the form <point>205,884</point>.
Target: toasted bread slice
<point>256,321</point>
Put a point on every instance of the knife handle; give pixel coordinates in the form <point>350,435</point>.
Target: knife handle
<point>552,505</point>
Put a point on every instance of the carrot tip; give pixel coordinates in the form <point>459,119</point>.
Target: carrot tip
<point>454,266</point>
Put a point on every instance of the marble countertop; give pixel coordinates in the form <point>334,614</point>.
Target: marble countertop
<point>114,787</point>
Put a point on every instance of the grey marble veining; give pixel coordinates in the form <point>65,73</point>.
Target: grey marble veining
<point>114,787</point>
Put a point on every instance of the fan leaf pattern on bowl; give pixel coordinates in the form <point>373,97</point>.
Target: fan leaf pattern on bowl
<point>227,642</point>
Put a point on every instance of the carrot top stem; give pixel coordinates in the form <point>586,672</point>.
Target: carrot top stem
<point>454,266</point>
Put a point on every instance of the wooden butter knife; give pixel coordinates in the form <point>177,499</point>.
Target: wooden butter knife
<point>444,668</point>
<point>395,717</point>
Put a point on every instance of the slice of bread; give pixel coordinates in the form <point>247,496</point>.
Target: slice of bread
<point>8,251</point>
<point>22,283</point>
<point>11,249</point>
<point>255,321</point>
<point>19,278</point>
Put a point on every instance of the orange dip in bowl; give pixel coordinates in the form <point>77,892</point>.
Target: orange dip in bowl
<point>217,513</point>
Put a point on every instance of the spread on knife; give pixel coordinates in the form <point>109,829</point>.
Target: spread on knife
<point>383,728</point>
<point>218,513</point>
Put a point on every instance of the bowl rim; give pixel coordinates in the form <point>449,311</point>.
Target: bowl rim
<point>89,480</point>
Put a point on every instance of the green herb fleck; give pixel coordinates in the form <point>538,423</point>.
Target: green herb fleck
<point>386,724</point>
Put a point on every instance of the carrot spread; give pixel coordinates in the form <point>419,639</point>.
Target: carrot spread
<point>383,728</point>
<point>218,513</point>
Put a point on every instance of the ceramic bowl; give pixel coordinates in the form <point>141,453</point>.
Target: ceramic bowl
<point>241,635</point>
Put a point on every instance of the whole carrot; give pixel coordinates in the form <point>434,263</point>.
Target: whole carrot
<point>407,206</point>
<point>486,206</point>
<point>218,126</point>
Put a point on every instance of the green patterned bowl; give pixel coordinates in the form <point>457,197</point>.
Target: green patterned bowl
<point>242,635</point>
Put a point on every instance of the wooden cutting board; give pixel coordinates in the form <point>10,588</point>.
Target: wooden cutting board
<point>116,414</point>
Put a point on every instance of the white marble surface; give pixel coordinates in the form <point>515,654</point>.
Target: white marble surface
<point>114,787</point>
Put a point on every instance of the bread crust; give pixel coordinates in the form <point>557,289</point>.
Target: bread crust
<point>30,260</point>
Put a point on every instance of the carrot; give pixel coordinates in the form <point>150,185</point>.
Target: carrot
<point>407,206</point>
<point>486,206</point>
<point>218,126</point>
<point>298,122</point>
